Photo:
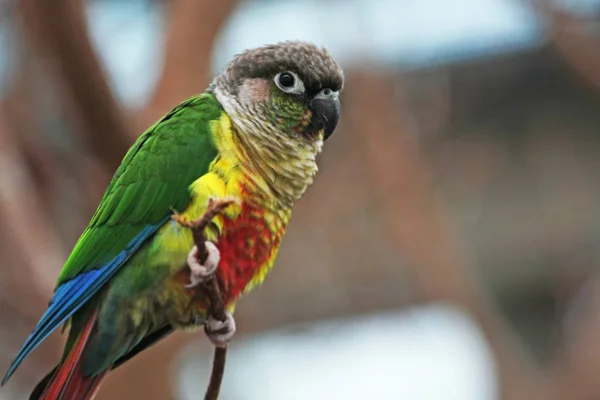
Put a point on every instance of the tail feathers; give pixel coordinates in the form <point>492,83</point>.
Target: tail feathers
<point>82,388</point>
<point>66,381</point>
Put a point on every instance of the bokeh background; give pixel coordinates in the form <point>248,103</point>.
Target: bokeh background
<point>448,248</point>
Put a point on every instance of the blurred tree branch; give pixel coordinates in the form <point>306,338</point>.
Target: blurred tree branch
<point>21,209</point>
<point>193,26</point>
<point>419,228</point>
<point>30,246</point>
<point>17,107</point>
<point>567,33</point>
<point>60,33</point>
<point>577,362</point>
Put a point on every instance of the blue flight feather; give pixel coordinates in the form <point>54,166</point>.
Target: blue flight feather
<point>73,294</point>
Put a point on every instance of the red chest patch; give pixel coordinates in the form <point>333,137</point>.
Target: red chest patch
<point>247,245</point>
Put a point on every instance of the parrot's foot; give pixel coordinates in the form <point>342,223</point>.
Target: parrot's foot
<point>198,271</point>
<point>220,332</point>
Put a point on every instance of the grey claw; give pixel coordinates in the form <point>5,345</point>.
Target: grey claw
<point>199,272</point>
<point>220,332</point>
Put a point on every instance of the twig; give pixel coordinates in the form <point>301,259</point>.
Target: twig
<point>216,307</point>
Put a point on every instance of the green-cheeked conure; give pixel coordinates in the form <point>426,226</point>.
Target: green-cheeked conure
<point>133,276</point>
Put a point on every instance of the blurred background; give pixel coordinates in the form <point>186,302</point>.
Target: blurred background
<point>448,248</point>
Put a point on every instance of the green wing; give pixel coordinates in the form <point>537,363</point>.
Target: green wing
<point>153,179</point>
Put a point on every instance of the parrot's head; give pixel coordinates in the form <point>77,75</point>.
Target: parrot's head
<point>283,100</point>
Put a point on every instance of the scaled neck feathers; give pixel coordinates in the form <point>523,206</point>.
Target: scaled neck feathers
<point>280,164</point>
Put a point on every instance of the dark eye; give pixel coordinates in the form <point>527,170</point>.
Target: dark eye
<point>287,80</point>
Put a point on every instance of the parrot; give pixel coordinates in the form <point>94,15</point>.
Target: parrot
<point>133,277</point>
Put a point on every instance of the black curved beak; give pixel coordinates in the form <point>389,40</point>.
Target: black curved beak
<point>326,111</point>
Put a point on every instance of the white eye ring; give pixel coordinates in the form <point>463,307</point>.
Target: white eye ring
<point>289,82</point>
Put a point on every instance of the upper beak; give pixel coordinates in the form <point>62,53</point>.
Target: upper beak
<point>326,110</point>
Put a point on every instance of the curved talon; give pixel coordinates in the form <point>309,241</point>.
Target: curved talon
<point>220,332</point>
<point>199,272</point>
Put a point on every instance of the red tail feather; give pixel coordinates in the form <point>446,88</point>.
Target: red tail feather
<point>68,382</point>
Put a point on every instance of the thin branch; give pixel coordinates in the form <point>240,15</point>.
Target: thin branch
<point>211,287</point>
